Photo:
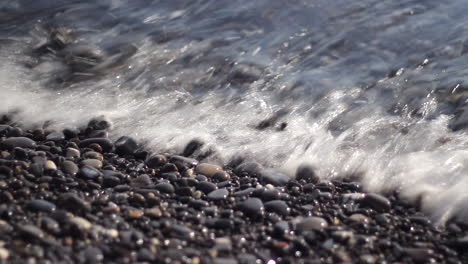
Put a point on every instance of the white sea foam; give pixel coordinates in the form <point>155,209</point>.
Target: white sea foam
<point>395,134</point>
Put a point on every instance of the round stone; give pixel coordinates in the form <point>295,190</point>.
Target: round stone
<point>69,167</point>
<point>165,187</point>
<point>252,207</point>
<point>307,173</point>
<point>125,145</point>
<point>155,161</point>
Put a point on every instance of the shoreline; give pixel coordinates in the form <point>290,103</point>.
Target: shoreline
<point>74,196</point>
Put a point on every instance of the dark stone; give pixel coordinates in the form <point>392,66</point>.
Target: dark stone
<point>40,206</point>
<point>270,194</point>
<point>198,204</point>
<point>278,206</point>
<point>93,255</point>
<point>125,145</point>
<point>5,171</point>
<point>89,173</point>
<point>21,142</point>
<point>69,167</point>
<point>105,143</point>
<point>192,147</point>
<point>252,207</point>
<point>110,181</point>
<point>221,176</point>
<point>217,195</point>
<point>206,187</point>
<point>274,178</point>
<point>72,202</point>
<point>307,173</point>
<point>419,255</point>
<point>145,255</point>
<point>182,232</point>
<point>376,202</point>
<point>155,161</point>
<point>31,231</point>
<point>165,187</point>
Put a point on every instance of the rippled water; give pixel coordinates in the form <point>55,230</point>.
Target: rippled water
<point>369,89</point>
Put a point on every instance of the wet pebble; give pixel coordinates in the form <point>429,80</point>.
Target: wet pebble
<point>125,145</point>
<point>104,143</point>
<point>156,161</point>
<point>95,163</point>
<point>307,173</point>
<point>218,195</point>
<point>31,231</point>
<point>165,187</point>
<point>206,187</point>
<point>376,202</point>
<point>72,153</point>
<point>274,178</point>
<point>14,142</point>
<point>41,206</point>
<point>311,223</point>
<point>182,232</point>
<point>252,207</point>
<point>207,169</point>
<point>278,206</point>
<point>89,172</point>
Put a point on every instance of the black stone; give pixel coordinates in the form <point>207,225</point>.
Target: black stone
<point>89,173</point>
<point>13,142</point>
<point>72,202</point>
<point>307,173</point>
<point>252,207</point>
<point>125,145</point>
<point>41,206</point>
<point>105,143</point>
<point>376,202</point>
<point>206,187</point>
<point>278,206</point>
<point>165,187</point>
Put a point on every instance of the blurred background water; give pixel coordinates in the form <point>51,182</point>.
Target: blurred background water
<point>370,89</point>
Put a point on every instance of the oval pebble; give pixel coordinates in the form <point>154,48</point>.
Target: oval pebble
<point>252,207</point>
<point>40,206</point>
<point>207,169</point>
<point>311,223</point>
<point>376,202</point>
<point>21,142</point>
<point>165,187</point>
<point>278,206</point>
<point>217,195</point>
